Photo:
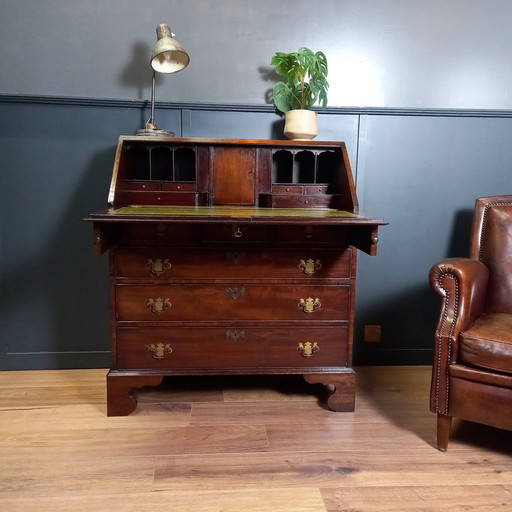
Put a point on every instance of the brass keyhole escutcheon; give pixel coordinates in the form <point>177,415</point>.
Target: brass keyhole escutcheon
<point>158,266</point>
<point>309,267</point>
<point>236,257</point>
<point>235,334</point>
<point>161,229</point>
<point>159,350</point>
<point>307,349</point>
<point>235,293</point>
<point>309,305</point>
<point>159,305</point>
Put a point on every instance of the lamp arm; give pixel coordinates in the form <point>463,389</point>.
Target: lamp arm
<point>150,125</point>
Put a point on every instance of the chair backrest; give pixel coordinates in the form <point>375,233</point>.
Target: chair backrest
<point>491,243</point>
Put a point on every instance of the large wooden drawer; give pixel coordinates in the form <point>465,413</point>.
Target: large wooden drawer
<point>235,233</point>
<point>221,302</point>
<point>231,347</point>
<point>160,264</point>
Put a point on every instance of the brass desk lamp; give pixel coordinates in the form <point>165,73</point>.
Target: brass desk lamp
<point>168,56</point>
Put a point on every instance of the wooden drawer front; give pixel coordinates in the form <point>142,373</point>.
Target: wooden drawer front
<point>139,185</point>
<point>287,189</point>
<point>231,347</point>
<point>234,234</point>
<point>179,187</point>
<point>319,236</point>
<point>197,302</point>
<point>161,264</point>
<point>135,234</point>
<point>304,201</point>
<point>129,197</point>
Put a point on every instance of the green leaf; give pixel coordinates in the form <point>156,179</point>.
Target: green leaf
<point>306,79</point>
<point>281,95</point>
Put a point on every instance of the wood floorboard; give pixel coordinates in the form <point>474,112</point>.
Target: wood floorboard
<point>264,500</point>
<point>242,444</point>
<point>480,498</point>
<point>323,469</point>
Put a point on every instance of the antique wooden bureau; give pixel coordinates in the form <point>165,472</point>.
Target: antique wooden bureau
<point>231,257</point>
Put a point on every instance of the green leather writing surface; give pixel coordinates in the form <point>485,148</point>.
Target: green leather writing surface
<point>227,211</point>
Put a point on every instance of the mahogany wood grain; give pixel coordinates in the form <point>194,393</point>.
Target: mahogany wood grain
<point>244,262</point>
<point>244,348</point>
<point>231,256</point>
<point>343,388</point>
<point>232,301</point>
<point>120,390</point>
<point>233,176</point>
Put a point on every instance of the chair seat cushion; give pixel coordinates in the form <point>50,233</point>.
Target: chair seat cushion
<point>488,343</point>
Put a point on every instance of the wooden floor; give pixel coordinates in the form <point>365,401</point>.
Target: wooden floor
<point>241,444</point>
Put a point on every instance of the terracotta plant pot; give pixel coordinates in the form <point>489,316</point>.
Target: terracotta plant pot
<point>300,124</point>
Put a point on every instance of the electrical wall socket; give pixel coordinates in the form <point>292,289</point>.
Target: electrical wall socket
<point>372,333</point>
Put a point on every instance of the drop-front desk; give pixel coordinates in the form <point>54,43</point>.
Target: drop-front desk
<point>231,257</point>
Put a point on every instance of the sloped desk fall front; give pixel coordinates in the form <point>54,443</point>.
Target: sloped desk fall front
<point>232,283</point>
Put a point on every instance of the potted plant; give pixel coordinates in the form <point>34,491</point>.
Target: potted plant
<point>306,84</point>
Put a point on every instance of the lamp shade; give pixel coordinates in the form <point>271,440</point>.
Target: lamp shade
<point>168,55</point>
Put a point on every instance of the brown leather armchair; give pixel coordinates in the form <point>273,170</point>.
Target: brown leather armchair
<point>472,370</point>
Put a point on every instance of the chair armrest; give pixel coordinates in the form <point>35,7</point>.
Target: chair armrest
<point>462,283</point>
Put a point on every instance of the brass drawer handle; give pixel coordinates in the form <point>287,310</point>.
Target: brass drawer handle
<point>158,266</point>
<point>159,350</point>
<point>236,231</point>
<point>235,293</point>
<point>307,349</point>
<point>159,305</point>
<point>309,305</point>
<point>309,267</point>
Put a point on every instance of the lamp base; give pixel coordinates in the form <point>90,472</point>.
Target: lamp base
<point>155,132</point>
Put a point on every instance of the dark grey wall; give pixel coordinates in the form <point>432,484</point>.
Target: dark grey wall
<point>422,174</point>
<point>382,53</point>
<point>74,78</point>
<point>56,163</point>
